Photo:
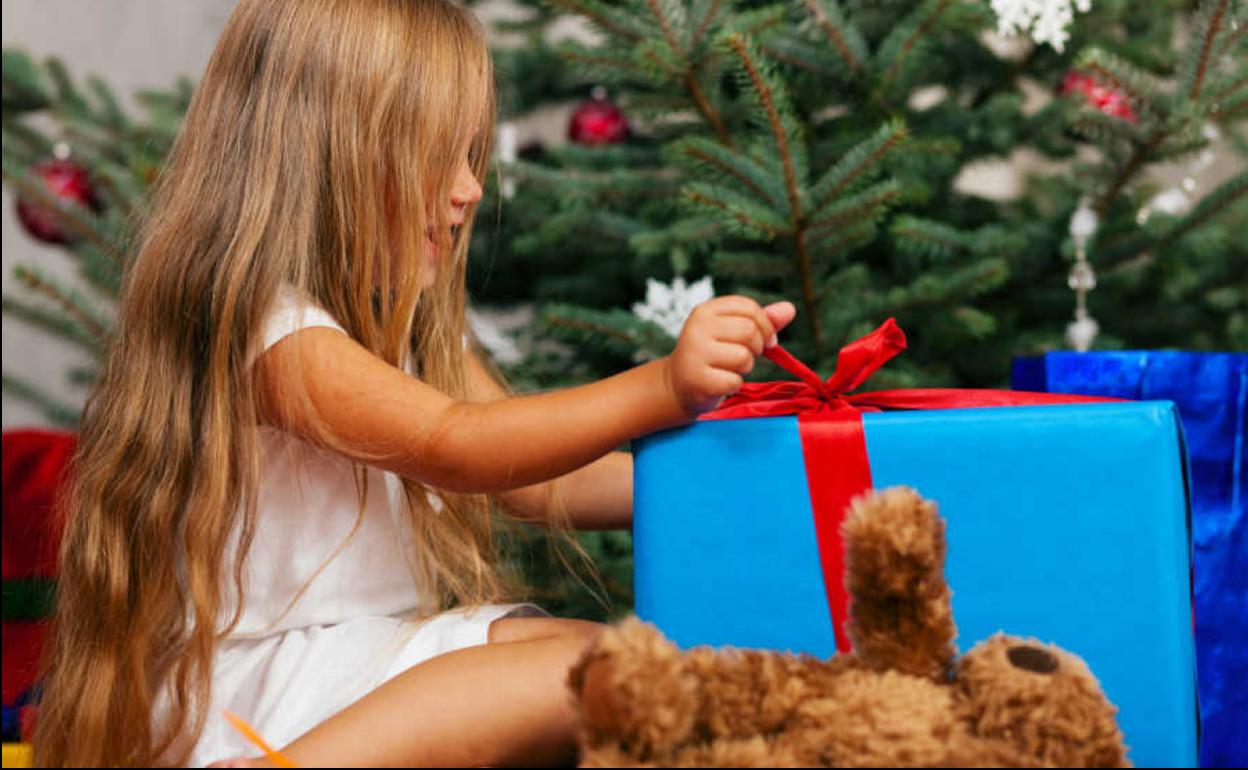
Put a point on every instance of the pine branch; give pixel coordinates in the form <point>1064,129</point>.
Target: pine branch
<point>23,89</point>
<point>927,238</point>
<point>1236,34</point>
<point>708,111</point>
<point>748,217</point>
<point>751,264</point>
<point>55,324</point>
<point>767,98</point>
<point>1140,154</point>
<point>809,298</point>
<point>690,79</point>
<point>909,43</point>
<point>679,234</point>
<point>1210,206</point>
<point>1226,87</point>
<point>846,40</point>
<point>56,412</point>
<point>798,54</point>
<point>871,204</point>
<point>69,98</point>
<point>736,165</point>
<point>577,53</point>
<point>73,305</point>
<point>664,25</point>
<point>1211,25</point>
<point>700,33</point>
<point>604,330</point>
<point>27,145</point>
<point>835,244</point>
<point>858,162</point>
<point>597,13</point>
<point>110,110</point>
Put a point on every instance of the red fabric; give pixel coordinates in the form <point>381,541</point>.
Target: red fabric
<point>33,464</point>
<point>834,446</point>
<point>833,485</point>
<point>23,644</point>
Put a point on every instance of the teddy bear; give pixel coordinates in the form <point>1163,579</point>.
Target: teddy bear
<point>902,698</point>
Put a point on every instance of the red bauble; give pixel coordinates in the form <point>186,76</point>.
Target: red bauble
<point>596,122</point>
<point>1108,100</point>
<point>71,185</point>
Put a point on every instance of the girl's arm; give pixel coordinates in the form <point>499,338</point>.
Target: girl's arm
<point>597,496</point>
<point>373,412</point>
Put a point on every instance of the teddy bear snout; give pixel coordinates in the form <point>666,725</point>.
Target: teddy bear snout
<point>1032,659</point>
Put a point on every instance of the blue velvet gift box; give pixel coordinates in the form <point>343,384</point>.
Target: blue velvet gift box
<point>1065,523</point>
<point>1211,393</point>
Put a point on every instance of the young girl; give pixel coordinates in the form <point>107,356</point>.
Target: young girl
<point>279,501</point>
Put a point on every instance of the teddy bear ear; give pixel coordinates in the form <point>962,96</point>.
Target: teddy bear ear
<point>1027,657</point>
<point>1041,699</point>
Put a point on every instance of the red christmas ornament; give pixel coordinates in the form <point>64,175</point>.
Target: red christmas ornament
<point>1108,100</point>
<point>597,121</point>
<point>71,185</point>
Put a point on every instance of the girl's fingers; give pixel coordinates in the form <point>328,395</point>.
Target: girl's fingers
<point>724,383</point>
<point>731,357</point>
<point>750,309</point>
<point>781,314</point>
<point>739,329</point>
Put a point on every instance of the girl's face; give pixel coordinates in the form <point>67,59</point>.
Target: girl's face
<point>465,191</point>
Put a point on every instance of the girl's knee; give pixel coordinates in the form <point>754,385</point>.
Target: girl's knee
<point>528,629</point>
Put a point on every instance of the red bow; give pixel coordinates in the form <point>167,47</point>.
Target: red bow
<point>833,443</point>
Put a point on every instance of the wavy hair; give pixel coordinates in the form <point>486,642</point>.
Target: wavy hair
<point>311,155</point>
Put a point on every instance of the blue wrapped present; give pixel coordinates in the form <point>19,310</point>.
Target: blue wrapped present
<point>1067,522</point>
<point>1211,392</point>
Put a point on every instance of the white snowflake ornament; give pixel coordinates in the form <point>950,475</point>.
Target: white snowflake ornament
<point>670,306</point>
<point>1048,21</point>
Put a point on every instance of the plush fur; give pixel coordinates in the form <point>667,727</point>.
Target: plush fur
<point>902,698</point>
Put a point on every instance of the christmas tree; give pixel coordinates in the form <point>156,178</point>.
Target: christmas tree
<point>811,150</point>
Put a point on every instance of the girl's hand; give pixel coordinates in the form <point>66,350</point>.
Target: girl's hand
<point>717,348</point>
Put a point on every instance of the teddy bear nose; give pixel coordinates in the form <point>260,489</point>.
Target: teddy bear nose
<point>1032,659</point>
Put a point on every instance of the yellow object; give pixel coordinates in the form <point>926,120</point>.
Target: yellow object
<point>17,755</point>
<point>249,732</point>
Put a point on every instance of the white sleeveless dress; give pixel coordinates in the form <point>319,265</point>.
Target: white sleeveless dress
<point>328,615</point>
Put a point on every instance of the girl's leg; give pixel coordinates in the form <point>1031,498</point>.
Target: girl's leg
<point>506,702</point>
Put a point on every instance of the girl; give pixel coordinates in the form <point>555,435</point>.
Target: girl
<point>279,499</point>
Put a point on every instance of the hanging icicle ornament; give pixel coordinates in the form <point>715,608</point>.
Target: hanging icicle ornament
<point>1081,332</point>
<point>1048,21</point>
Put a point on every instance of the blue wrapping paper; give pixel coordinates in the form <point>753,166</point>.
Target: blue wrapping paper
<point>1065,523</point>
<point>1211,392</point>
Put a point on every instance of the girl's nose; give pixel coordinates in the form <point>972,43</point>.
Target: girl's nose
<point>467,189</point>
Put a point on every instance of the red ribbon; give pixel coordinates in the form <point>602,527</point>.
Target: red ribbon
<point>834,446</point>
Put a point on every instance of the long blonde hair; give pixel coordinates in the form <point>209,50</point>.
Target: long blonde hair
<point>315,145</point>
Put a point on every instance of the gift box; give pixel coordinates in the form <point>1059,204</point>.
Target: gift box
<point>1066,521</point>
<point>1211,393</point>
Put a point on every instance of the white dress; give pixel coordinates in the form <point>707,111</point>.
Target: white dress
<point>329,615</point>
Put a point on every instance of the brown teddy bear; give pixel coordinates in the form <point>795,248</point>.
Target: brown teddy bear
<point>901,699</point>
